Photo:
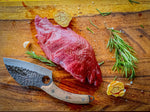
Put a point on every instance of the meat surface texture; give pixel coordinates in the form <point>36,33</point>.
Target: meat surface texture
<point>69,50</point>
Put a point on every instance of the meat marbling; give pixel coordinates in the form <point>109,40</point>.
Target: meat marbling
<point>69,50</point>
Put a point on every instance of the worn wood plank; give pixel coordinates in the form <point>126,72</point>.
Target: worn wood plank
<point>14,9</point>
<point>14,32</point>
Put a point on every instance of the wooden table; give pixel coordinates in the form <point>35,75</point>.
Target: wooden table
<point>17,26</point>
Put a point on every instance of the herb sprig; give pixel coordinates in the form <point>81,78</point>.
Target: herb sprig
<point>40,58</point>
<point>132,1</point>
<point>124,54</point>
<point>104,13</point>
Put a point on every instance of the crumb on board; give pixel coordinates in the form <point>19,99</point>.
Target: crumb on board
<point>26,44</point>
<point>131,82</point>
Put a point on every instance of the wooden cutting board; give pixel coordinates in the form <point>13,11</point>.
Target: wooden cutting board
<point>17,26</point>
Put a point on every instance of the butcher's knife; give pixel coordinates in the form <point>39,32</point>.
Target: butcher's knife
<point>29,74</point>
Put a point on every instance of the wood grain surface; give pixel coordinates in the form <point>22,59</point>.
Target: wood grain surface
<point>15,28</point>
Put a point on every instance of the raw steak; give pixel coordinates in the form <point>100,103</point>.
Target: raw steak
<point>69,50</point>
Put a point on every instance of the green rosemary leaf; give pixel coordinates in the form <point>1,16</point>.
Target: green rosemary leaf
<point>126,71</point>
<point>101,63</point>
<point>106,13</point>
<point>115,31</point>
<point>132,1</point>
<point>108,44</point>
<point>103,14</point>
<point>89,30</point>
<point>115,78</point>
<point>142,26</point>
<point>93,23</point>
<point>99,11</point>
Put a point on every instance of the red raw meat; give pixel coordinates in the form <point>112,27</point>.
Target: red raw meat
<point>69,50</point>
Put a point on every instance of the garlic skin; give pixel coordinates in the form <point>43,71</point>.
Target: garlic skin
<point>26,44</point>
<point>116,88</point>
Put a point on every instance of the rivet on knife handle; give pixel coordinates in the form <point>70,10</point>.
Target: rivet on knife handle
<point>58,93</point>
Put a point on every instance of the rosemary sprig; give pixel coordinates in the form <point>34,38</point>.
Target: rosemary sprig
<point>89,30</point>
<point>40,58</point>
<point>93,23</point>
<point>101,63</point>
<point>124,54</point>
<point>132,1</point>
<point>104,13</point>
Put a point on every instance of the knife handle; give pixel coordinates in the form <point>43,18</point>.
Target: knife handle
<point>58,93</point>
